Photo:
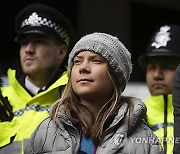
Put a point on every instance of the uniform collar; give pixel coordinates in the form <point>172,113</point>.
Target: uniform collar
<point>32,87</point>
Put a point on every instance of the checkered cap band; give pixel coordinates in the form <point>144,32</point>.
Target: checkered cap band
<point>35,20</point>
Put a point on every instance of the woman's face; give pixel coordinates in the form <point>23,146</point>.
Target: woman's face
<point>89,76</point>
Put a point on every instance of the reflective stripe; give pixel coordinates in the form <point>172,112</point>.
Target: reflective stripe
<point>37,108</point>
<point>160,126</point>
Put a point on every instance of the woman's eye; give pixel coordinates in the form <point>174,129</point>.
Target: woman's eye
<point>77,61</point>
<point>97,61</point>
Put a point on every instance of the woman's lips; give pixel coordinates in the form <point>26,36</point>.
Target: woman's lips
<point>84,80</point>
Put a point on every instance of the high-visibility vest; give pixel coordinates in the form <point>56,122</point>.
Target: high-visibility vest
<point>161,120</point>
<point>28,111</point>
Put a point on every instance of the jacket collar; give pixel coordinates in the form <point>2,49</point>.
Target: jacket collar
<point>139,111</point>
<point>123,120</point>
<point>22,91</point>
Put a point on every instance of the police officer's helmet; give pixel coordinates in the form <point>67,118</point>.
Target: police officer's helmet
<point>44,20</point>
<point>165,43</point>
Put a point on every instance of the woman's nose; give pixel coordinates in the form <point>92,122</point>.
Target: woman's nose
<point>84,68</point>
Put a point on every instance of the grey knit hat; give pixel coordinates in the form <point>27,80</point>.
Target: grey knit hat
<point>116,54</point>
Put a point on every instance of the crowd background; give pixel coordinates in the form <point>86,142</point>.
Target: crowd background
<point>133,21</point>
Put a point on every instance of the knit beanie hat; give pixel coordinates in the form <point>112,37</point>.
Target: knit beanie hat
<point>116,54</point>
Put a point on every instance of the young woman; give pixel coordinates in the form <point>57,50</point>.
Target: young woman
<point>92,116</point>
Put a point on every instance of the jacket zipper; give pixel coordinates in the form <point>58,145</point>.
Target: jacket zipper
<point>165,123</point>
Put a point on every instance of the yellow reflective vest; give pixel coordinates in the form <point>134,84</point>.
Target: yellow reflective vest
<point>28,111</point>
<point>161,120</point>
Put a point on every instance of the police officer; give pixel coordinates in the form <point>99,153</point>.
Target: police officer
<point>45,36</point>
<point>160,62</point>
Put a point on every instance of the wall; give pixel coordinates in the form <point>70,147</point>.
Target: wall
<point>133,21</point>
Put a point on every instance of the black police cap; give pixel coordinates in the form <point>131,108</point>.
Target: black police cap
<point>42,19</point>
<point>164,43</point>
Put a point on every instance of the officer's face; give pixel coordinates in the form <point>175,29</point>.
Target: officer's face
<point>160,73</point>
<point>40,55</point>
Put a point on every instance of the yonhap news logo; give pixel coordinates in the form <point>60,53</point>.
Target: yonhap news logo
<point>122,138</point>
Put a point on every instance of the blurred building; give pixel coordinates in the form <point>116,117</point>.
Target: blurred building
<point>133,21</point>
